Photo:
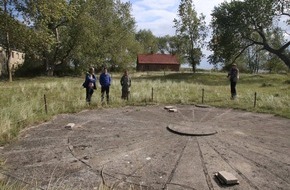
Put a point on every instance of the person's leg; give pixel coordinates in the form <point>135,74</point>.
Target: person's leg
<point>107,93</point>
<point>127,95</point>
<point>233,89</point>
<point>88,95</point>
<point>122,96</point>
<point>91,94</point>
<point>102,93</point>
<point>124,93</point>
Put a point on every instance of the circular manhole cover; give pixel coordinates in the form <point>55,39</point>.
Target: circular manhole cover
<point>192,129</point>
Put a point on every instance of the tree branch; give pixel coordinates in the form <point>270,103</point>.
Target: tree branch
<point>284,46</point>
<point>242,52</point>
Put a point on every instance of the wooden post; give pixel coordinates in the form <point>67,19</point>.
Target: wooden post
<point>152,94</point>
<point>255,100</point>
<point>45,104</point>
<point>202,98</point>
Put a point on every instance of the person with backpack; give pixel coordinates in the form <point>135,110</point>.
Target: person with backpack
<point>90,84</point>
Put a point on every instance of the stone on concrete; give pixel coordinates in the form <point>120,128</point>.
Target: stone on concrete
<point>227,178</point>
<point>69,125</point>
<point>169,107</point>
<point>172,110</point>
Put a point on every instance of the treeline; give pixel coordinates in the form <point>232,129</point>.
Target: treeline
<point>62,37</point>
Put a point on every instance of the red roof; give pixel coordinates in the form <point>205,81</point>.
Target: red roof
<point>157,59</point>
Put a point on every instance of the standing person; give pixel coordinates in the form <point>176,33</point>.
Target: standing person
<point>126,84</point>
<point>105,82</point>
<point>90,84</point>
<point>234,76</point>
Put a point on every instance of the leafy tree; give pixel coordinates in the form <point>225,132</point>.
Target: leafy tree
<point>238,25</point>
<point>81,33</point>
<point>168,44</point>
<point>191,32</point>
<point>274,64</point>
<point>148,42</point>
<point>105,31</point>
<point>50,21</point>
<point>8,26</point>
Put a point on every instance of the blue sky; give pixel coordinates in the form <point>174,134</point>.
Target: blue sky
<point>158,16</point>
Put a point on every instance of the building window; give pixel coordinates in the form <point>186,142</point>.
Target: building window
<point>12,54</point>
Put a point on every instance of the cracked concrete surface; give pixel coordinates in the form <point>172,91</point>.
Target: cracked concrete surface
<point>132,146</point>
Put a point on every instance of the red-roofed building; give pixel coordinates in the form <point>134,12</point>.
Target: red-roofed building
<point>157,62</point>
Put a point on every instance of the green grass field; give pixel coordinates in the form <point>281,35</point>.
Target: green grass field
<point>22,101</point>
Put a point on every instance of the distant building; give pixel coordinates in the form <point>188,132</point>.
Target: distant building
<point>16,60</point>
<point>157,62</point>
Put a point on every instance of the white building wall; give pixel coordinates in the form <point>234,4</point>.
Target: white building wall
<point>16,59</point>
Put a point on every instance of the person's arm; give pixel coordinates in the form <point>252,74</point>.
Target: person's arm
<point>101,80</point>
<point>121,81</point>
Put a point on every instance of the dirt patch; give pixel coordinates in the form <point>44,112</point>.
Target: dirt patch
<point>132,146</point>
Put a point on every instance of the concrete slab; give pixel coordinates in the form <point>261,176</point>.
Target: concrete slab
<point>132,147</point>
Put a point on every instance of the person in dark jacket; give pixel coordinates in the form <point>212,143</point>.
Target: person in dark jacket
<point>126,84</point>
<point>233,75</point>
<point>105,82</point>
<point>90,84</point>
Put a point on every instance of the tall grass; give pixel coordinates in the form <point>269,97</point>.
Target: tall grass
<point>22,101</point>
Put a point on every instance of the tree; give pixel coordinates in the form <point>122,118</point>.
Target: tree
<point>106,35</point>
<point>168,44</point>
<point>147,40</point>
<point>7,26</point>
<point>238,25</point>
<point>50,21</point>
<point>82,33</point>
<point>191,32</point>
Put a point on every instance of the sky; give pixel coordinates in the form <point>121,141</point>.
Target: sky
<point>158,15</point>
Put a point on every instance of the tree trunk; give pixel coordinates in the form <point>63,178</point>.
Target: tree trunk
<point>280,54</point>
<point>8,50</point>
<point>193,67</point>
<point>285,59</point>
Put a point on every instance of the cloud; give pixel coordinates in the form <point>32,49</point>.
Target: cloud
<point>158,16</point>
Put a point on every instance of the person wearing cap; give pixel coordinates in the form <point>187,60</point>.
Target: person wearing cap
<point>233,75</point>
